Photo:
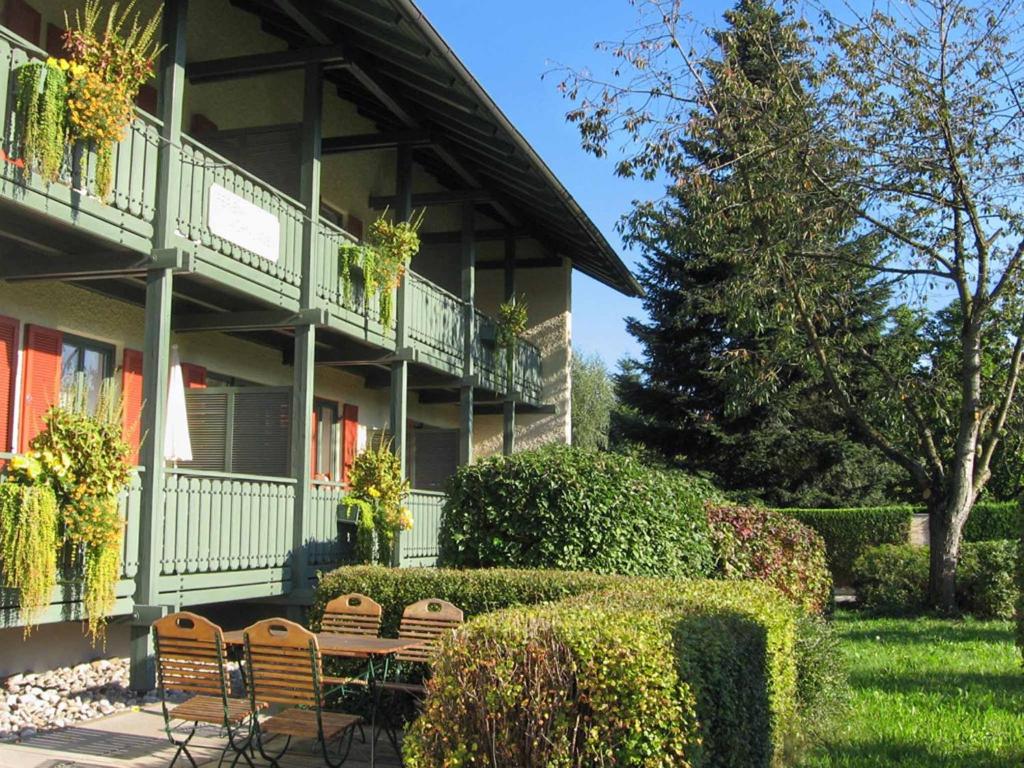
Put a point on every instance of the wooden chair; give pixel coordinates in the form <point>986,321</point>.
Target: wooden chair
<point>427,621</point>
<point>190,658</point>
<point>352,614</point>
<point>284,666</point>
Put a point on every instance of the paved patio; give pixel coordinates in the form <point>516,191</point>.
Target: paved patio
<point>136,738</point>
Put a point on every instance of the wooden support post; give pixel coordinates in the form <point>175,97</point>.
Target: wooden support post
<point>305,335</point>
<point>157,349</point>
<point>400,368</point>
<point>469,336</point>
<point>509,413</point>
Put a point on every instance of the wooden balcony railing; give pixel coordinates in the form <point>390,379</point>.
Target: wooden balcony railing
<point>436,323</point>
<point>419,547</point>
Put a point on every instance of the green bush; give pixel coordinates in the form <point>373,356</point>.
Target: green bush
<point>991,520</point>
<point>756,543</point>
<point>654,672</point>
<point>474,591</point>
<point>985,579</point>
<point>893,579</point>
<point>849,532</point>
<point>565,508</point>
<point>822,685</point>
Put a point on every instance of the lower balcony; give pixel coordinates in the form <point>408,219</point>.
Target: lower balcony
<point>227,537</point>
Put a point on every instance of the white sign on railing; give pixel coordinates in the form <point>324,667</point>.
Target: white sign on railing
<point>246,225</point>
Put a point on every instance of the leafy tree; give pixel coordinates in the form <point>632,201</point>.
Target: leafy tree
<point>593,399</point>
<point>900,164</point>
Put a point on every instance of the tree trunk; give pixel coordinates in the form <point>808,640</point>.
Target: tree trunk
<point>946,518</point>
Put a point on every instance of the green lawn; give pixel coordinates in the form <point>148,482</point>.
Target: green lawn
<point>927,692</point>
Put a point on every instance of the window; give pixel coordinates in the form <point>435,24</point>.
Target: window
<point>325,452</point>
<point>91,360</point>
<point>224,380</point>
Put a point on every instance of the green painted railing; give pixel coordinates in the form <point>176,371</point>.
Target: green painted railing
<point>528,371</point>
<point>419,546</point>
<point>488,359</point>
<point>329,239</point>
<point>436,324</point>
<point>126,217</point>
<point>219,522</point>
<point>200,169</point>
<point>322,525</point>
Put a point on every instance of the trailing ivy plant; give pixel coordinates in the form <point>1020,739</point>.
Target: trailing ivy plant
<point>378,490</point>
<point>383,259</point>
<point>41,105</point>
<point>112,58</point>
<point>28,538</point>
<point>365,528</point>
<point>84,459</point>
<point>512,319</point>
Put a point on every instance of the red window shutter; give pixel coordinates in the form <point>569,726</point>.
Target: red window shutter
<point>55,40</point>
<point>355,227</point>
<point>349,438</point>
<point>147,99</point>
<point>40,387</point>
<point>8,368</point>
<point>194,376</point>
<point>131,390</point>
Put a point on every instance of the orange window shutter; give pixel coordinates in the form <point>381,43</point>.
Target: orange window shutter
<point>131,388</point>
<point>194,376</point>
<point>349,438</point>
<point>8,367</point>
<point>40,388</point>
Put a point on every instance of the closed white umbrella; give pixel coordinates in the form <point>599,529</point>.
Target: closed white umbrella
<point>177,444</point>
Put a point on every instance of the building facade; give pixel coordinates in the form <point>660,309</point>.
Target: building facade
<point>274,133</point>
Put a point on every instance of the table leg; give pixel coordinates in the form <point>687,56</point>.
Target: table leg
<point>377,691</point>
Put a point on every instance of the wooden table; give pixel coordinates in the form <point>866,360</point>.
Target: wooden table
<point>351,647</point>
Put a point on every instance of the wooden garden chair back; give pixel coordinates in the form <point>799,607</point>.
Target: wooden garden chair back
<point>285,667</point>
<point>352,614</point>
<point>429,621</point>
<point>190,658</point>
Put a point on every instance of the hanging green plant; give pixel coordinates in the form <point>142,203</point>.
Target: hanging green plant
<point>383,259</point>
<point>84,459</point>
<point>512,320</point>
<point>111,59</point>
<point>41,105</point>
<point>365,528</point>
<point>379,491</point>
<point>28,539</point>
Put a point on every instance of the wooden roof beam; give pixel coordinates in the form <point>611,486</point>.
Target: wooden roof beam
<point>454,237</point>
<point>432,199</point>
<point>372,141</point>
<point>252,65</point>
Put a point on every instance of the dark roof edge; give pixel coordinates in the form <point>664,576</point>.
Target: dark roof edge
<point>629,285</point>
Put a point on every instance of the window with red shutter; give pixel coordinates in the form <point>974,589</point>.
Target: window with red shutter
<point>131,389</point>
<point>40,387</point>
<point>24,20</point>
<point>194,376</point>
<point>349,438</point>
<point>8,369</point>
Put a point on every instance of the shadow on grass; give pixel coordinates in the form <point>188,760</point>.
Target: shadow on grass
<point>884,755</point>
<point>952,632</point>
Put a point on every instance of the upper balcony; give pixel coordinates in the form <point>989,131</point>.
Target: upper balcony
<point>63,229</point>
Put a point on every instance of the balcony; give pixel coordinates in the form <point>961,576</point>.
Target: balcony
<point>123,226</point>
<point>228,537</point>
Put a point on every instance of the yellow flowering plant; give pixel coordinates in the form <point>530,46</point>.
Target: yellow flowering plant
<point>377,493</point>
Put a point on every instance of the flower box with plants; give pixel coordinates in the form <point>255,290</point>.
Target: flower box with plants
<point>376,496</point>
<point>64,493</point>
<point>65,107</point>
<point>382,261</point>
<point>512,320</point>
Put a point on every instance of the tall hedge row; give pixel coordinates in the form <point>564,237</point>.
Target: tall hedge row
<point>729,672</point>
<point>848,533</point>
<point>565,508</point>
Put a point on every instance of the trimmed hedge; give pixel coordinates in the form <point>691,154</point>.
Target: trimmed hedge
<point>475,591</point>
<point>565,508</point>
<point>759,544</point>
<point>991,520</point>
<point>656,672</point>
<point>1020,577</point>
<point>849,532</point>
<point>893,579</point>
<point>728,639</point>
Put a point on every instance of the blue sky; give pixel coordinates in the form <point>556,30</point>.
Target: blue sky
<point>508,46</point>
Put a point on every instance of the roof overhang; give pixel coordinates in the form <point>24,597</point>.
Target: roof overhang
<point>401,73</point>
